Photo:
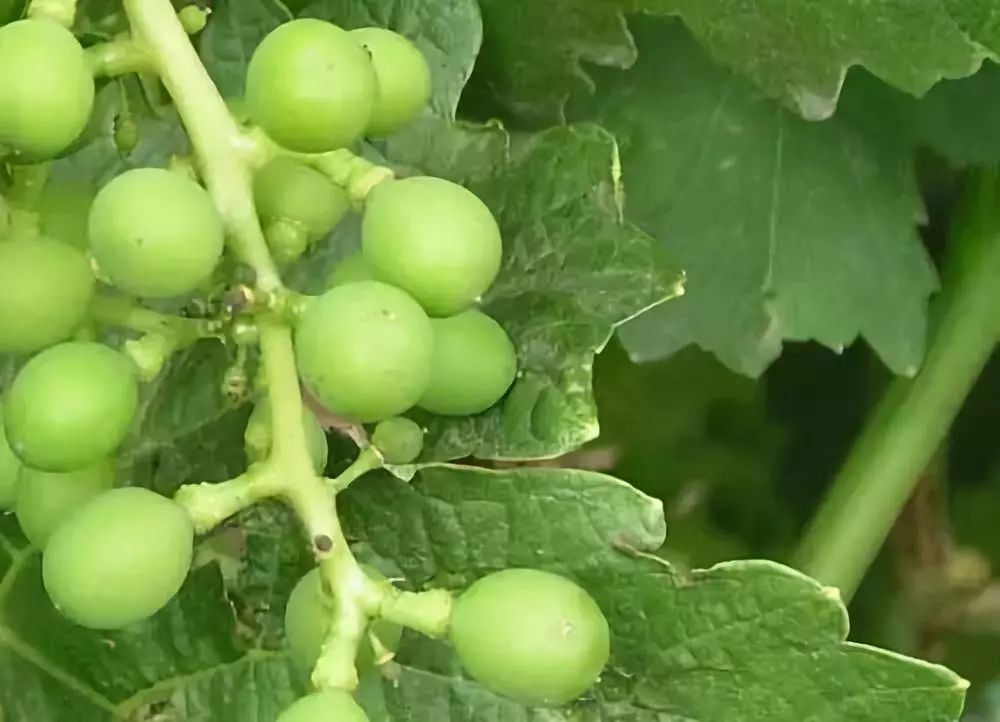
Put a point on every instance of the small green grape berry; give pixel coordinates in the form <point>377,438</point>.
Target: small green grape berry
<point>432,238</point>
<point>474,364</point>
<point>155,233</point>
<point>307,623</point>
<point>10,469</point>
<point>311,87</point>
<point>365,350</point>
<point>286,190</point>
<point>332,705</point>
<point>533,636</point>
<point>119,559</point>
<point>193,18</point>
<point>45,290</point>
<point>46,89</point>
<point>258,436</point>
<point>351,269</point>
<point>404,79</point>
<point>70,406</point>
<point>45,500</point>
<point>398,440</point>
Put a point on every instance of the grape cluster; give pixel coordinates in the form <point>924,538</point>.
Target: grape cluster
<point>398,329</point>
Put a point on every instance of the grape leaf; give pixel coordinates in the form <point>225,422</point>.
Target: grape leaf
<point>979,18</point>
<point>800,51</point>
<point>787,229</point>
<point>448,32</point>
<point>235,28</point>
<point>533,79</point>
<point>740,642</point>
<point>186,658</point>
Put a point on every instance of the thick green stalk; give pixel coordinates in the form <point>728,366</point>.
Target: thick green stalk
<point>915,415</point>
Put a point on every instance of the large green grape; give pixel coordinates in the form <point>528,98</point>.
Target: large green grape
<point>365,350</point>
<point>46,88</point>
<point>404,79</point>
<point>259,435</point>
<point>310,86</point>
<point>307,623</point>
<point>432,238</point>
<point>119,559</point>
<point>45,500</point>
<point>70,406</point>
<point>535,637</point>
<point>285,189</point>
<point>329,706</point>
<point>474,364</point>
<point>351,269</point>
<point>45,289</point>
<point>155,233</point>
<point>398,440</point>
<point>10,469</point>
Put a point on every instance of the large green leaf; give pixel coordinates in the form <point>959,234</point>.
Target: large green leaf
<point>800,51</point>
<point>741,642</point>
<point>448,32</point>
<point>534,52</point>
<point>787,229</point>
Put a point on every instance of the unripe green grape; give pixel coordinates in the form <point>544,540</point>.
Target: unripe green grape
<point>533,636</point>
<point>46,89</point>
<point>474,364</point>
<point>311,87</point>
<point>307,623</point>
<point>285,189</point>
<point>398,440</point>
<point>258,436</point>
<point>432,238</point>
<point>45,290</point>
<point>119,559</point>
<point>287,240</point>
<point>351,269</point>
<point>70,406</point>
<point>328,706</point>
<point>10,468</point>
<point>365,350</point>
<point>155,233</point>
<point>45,500</point>
<point>404,79</point>
<point>64,209</point>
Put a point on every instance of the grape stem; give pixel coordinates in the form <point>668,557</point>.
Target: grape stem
<point>226,165</point>
<point>915,415</point>
<point>117,57</point>
<point>61,11</point>
<point>125,312</point>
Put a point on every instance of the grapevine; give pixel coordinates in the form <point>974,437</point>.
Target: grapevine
<point>398,329</point>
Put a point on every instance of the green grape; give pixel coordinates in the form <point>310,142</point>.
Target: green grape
<point>328,706</point>
<point>432,238</point>
<point>474,364</point>
<point>310,86</point>
<point>70,406</point>
<point>351,269</point>
<point>399,440</point>
<point>258,435</point>
<point>287,190</point>
<point>10,468</point>
<point>45,500</point>
<point>307,623</point>
<point>46,88</point>
<point>64,209</point>
<point>365,350</point>
<point>45,290</point>
<point>535,637</point>
<point>155,233</point>
<point>119,559</point>
<point>404,79</point>
<point>287,240</point>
